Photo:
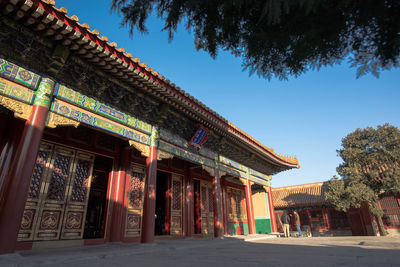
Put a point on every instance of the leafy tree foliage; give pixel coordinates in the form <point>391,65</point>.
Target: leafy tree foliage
<point>371,166</point>
<point>282,37</point>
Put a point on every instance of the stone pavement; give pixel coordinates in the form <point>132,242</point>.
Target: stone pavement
<point>255,250</point>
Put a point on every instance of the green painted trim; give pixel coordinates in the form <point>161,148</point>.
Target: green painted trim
<point>176,140</point>
<point>245,228</point>
<point>70,111</point>
<point>44,93</point>
<point>19,75</point>
<point>154,137</point>
<point>233,164</point>
<point>16,91</point>
<point>266,201</point>
<point>259,174</point>
<point>91,104</point>
<point>190,156</point>
<point>233,228</point>
<point>263,226</point>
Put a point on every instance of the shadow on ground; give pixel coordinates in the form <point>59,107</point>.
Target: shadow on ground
<point>222,252</point>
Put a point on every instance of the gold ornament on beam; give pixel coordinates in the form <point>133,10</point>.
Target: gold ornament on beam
<point>163,155</point>
<point>209,170</point>
<point>55,120</point>
<point>144,149</point>
<point>221,173</point>
<point>21,110</point>
<point>244,181</point>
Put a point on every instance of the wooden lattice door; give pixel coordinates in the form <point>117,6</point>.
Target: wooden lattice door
<point>77,197</point>
<point>134,200</point>
<point>33,202</point>
<point>176,204</point>
<point>58,194</point>
<point>207,208</point>
<point>236,204</point>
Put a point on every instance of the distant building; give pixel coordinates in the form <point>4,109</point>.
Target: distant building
<point>322,219</point>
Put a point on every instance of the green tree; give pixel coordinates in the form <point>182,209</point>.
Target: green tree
<point>282,37</point>
<point>371,161</point>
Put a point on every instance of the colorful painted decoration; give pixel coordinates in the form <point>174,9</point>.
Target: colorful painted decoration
<point>111,120</point>
<point>44,93</point>
<point>154,137</point>
<point>12,72</point>
<point>16,91</point>
<point>232,163</point>
<point>259,181</point>
<point>180,142</point>
<point>185,154</point>
<point>229,170</point>
<point>89,118</point>
<point>259,174</point>
<point>199,137</point>
<point>97,107</point>
<point>173,138</point>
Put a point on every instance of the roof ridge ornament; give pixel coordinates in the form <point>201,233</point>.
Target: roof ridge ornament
<point>49,2</point>
<point>74,18</point>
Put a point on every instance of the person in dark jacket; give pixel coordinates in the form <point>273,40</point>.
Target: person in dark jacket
<point>286,221</point>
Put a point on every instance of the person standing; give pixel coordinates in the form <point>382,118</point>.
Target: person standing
<point>297,222</point>
<point>286,221</point>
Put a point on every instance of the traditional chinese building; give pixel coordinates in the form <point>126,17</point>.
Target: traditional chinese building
<point>318,215</point>
<point>96,146</point>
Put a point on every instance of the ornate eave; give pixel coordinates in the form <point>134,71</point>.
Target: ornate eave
<point>60,31</point>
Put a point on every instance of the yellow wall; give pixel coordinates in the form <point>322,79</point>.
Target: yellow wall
<point>260,205</point>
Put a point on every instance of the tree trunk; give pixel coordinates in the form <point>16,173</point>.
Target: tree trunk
<point>382,229</point>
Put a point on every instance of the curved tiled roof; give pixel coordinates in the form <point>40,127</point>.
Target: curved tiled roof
<point>105,54</point>
<point>380,170</point>
<point>306,195</point>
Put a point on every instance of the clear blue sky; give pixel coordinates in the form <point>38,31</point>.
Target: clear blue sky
<point>304,117</point>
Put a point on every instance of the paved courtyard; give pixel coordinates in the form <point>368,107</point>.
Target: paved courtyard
<point>255,250</point>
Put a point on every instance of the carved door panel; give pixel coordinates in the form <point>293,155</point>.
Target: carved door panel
<point>58,194</point>
<point>54,195</point>
<point>134,185</point>
<point>210,209</point>
<point>207,208</point>
<point>176,204</point>
<point>78,196</point>
<point>243,206</point>
<point>236,203</point>
<point>33,202</point>
<point>230,205</point>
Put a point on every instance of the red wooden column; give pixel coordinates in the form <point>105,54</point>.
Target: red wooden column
<point>250,210</point>
<point>197,207</point>
<point>272,210</point>
<point>325,216</point>
<point>21,170</point>
<point>189,202</point>
<point>218,220</point>
<point>149,207</point>
<point>225,208</point>
<point>309,220</point>
<point>117,196</point>
<point>8,149</point>
<point>168,201</point>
